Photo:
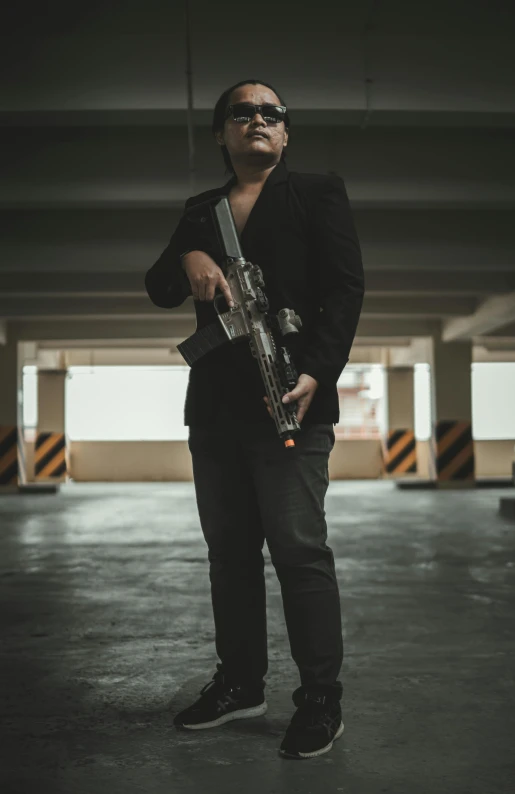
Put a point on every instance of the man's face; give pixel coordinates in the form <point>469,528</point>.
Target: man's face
<point>237,137</point>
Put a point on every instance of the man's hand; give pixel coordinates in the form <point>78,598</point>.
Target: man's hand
<point>303,392</point>
<point>205,276</point>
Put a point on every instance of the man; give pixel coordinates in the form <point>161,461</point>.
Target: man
<point>298,228</point>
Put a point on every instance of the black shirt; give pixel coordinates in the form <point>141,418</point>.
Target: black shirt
<point>301,233</point>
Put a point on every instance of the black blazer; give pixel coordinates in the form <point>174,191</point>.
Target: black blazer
<point>301,233</point>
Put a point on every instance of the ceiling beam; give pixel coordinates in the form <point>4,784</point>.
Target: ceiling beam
<point>141,307</point>
<point>384,281</point>
<point>496,342</point>
<point>494,313</point>
<point>101,331</point>
<point>304,117</point>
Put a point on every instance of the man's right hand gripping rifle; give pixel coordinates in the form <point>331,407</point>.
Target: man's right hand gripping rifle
<point>205,276</point>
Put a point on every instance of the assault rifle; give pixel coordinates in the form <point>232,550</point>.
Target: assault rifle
<point>249,319</point>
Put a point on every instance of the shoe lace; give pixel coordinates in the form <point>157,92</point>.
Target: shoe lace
<point>218,692</point>
<point>314,713</point>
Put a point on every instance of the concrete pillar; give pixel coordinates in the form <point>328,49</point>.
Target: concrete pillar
<point>51,391</point>
<point>451,405</point>
<point>400,450</point>
<point>50,450</point>
<point>12,457</point>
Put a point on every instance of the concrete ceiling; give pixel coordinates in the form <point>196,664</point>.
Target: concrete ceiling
<point>413,106</point>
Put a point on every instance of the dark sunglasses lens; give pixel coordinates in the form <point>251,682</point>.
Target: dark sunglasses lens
<point>243,113</point>
<point>272,114</point>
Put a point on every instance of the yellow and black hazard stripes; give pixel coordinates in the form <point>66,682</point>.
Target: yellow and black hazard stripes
<point>401,452</point>
<point>50,456</point>
<point>454,450</point>
<point>8,455</point>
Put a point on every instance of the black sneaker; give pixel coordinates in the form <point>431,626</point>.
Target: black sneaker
<point>314,726</point>
<point>221,702</point>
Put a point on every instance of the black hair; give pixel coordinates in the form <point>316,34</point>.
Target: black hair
<point>219,117</point>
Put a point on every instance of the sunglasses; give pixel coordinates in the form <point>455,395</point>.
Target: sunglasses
<point>243,112</point>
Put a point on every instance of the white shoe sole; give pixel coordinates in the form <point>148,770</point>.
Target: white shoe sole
<point>255,711</point>
<point>316,752</point>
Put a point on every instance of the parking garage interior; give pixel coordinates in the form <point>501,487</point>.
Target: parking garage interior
<point>107,625</point>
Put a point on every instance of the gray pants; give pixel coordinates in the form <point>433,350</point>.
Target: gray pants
<point>249,488</point>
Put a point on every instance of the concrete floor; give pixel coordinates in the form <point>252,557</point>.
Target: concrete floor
<point>107,631</point>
